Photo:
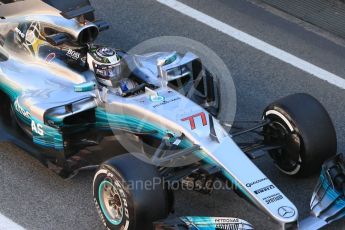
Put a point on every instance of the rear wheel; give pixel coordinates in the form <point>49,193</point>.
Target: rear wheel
<point>129,194</point>
<point>302,127</point>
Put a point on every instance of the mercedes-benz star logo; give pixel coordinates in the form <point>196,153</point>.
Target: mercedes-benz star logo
<point>286,212</point>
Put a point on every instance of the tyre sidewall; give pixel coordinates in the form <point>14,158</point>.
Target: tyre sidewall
<point>128,214</point>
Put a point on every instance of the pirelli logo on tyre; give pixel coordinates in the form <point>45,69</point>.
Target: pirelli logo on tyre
<point>264,189</point>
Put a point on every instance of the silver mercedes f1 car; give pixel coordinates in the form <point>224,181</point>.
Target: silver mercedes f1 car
<point>61,94</point>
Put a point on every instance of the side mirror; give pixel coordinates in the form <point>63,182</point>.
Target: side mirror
<point>160,64</point>
<point>162,61</point>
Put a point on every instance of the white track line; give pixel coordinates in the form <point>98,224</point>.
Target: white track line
<point>7,224</point>
<point>255,42</point>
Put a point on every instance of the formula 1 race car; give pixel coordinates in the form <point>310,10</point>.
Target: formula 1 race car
<point>62,94</point>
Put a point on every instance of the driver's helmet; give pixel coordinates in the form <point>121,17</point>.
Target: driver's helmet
<point>106,64</point>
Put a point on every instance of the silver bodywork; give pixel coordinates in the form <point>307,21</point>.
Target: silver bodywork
<point>39,87</point>
<point>328,202</point>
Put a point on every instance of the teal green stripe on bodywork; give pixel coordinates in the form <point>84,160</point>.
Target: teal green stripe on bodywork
<point>52,138</point>
<point>131,123</point>
<point>22,118</point>
<point>200,223</point>
<point>125,122</point>
<point>11,92</point>
<point>332,193</point>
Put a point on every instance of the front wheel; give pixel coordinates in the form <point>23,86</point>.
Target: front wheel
<point>301,126</point>
<point>129,194</point>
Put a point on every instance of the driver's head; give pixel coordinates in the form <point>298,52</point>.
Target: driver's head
<point>106,64</point>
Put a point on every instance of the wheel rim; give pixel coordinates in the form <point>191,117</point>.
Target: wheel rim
<point>286,159</point>
<point>110,202</point>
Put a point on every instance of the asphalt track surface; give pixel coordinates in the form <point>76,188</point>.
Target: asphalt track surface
<point>36,198</point>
